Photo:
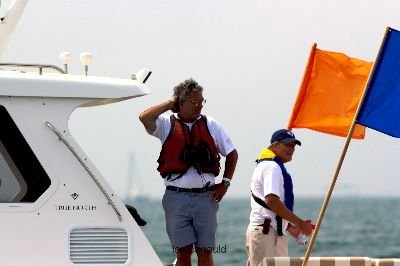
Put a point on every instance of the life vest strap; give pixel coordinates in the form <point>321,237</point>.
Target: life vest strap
<point>278,218</point>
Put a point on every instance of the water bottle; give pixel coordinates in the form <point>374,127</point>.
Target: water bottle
<point>301,239</point>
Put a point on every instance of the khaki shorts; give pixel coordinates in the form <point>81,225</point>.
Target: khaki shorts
<point>260,246</point>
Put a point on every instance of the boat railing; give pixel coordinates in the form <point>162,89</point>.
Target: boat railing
<point>40,67</point>
<point>82,162</point>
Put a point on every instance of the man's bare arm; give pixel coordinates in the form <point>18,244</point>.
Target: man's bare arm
<point>149,116</point>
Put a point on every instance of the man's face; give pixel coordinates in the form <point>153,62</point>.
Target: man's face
<point>190,108</point>
<point>284,151</point>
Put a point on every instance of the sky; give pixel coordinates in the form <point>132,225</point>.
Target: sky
<point>248,55</point>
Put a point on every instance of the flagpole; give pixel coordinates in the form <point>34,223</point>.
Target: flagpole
<point>341,159</point>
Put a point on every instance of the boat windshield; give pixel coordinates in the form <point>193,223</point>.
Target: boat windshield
<point>22,177</point>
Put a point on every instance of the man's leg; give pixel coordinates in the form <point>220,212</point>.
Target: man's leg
<point>205,224</point>
<point>205,257</point>
<point>184,255</point>
<point>259,245</point>
<point>281,247</point>
<point>179,225</point>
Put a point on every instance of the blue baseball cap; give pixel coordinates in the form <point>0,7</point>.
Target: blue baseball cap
<point>285,136</point>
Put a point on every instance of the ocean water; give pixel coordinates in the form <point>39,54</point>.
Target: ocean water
<point>368,227</point>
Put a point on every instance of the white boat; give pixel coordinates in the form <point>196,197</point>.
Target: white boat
<point>55,206</point>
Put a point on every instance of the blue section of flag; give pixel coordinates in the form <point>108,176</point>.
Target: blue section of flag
<point>380,109</point>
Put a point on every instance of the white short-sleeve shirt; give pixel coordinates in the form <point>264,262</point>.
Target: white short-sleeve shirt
<point>192,179</point>
<point>267,179</point>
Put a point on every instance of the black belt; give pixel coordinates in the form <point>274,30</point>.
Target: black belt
<point>191,190</point>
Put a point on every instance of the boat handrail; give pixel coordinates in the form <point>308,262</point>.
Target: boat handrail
<point>110,201</point>
<point>39,66</point>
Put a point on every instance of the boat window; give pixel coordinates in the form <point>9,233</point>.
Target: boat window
<point>22,177</point>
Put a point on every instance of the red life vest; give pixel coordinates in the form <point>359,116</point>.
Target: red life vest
<point>184,148</point>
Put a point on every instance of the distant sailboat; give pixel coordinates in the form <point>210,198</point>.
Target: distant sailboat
<point>134,187</point>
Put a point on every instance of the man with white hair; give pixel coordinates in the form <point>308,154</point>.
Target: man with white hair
<point>272,202</point>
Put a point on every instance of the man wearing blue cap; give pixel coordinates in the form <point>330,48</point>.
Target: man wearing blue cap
<point>272,202</point>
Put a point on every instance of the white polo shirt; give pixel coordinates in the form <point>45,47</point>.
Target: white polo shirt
<point>267,179</point>
<point>192,179</point>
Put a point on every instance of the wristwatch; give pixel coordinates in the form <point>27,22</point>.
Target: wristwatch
<point>226,182</point>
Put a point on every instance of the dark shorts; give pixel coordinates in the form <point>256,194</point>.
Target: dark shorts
<point>191,218</point>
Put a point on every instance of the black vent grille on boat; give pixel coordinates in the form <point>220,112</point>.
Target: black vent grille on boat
<point>99,245</point>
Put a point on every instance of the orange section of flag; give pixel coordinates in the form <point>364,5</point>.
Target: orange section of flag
<point>329,93</point>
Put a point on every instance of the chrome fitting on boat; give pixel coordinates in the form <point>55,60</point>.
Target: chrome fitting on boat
<point>65,57</point>
<point>86,60</point>
<point>142,75</point>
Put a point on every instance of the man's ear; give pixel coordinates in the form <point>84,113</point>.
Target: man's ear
<point>177,105</point>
